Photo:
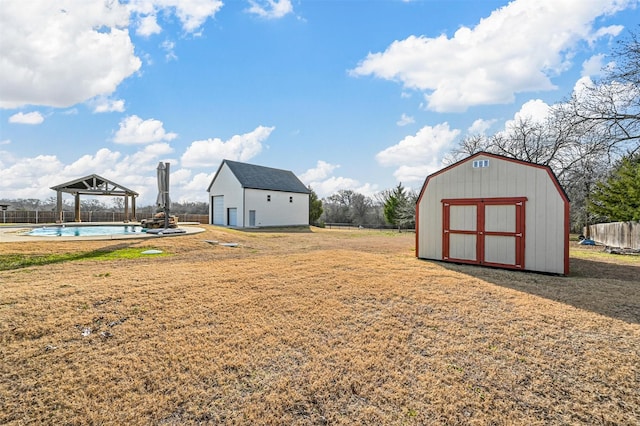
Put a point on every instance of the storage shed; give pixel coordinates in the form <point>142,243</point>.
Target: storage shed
<point>494,211</point>
<point>247,195</point>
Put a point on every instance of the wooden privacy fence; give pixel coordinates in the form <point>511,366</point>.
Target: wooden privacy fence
<point>616,234</point>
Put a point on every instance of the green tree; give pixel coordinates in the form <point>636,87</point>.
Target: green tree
<point>315,207</point>
<point>406,213</point>
<point>395,201</point>
<point>617,198</point>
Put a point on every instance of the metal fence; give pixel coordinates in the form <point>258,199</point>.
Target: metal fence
<point>48,216</point>
<point>365,226</point>
<point>616,234</point>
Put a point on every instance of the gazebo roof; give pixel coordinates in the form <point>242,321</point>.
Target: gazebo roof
<point>94,185</point>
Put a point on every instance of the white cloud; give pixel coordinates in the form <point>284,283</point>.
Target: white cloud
<point>210,152</point>
<point>105,104</point>
<point>623,94</point>
<point>30,176</point>
<point>417,156</point>
<point>169,47</point>
<point>368,189</point>
<point>610,31</point>
<point>5,142</point>
<point>33,117</point>
<point>148,25</point>
<point>594,66</point>
<point>480,66</point>
<point>86,164</point>
<point>33,177</point>
<point>63,52</point>
<point>418,173</point>
<point>330,186</point>
<point>134,130</point>
<point>60,53</point>
<point>419,151</point>
<point>324,185</point>
<point>534,110</point>
<point>191,13</point>
<point>538,111</point>
<point>480,126</point>
<point>186,188</point>
<point>159,149</point>
<point>270,9</point>
<point>405,119</point>
<point>321,171</point>
<point>584,83</point>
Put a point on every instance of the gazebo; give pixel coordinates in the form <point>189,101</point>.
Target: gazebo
<point>94,185</point>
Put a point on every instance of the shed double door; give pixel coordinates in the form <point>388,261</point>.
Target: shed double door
<point>487,231</point>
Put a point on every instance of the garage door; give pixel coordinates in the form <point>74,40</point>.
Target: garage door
<point>218,210</point>
<point>487,231</point>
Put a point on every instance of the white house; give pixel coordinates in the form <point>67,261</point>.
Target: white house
<point>494,211</point>
<point>246,195</point>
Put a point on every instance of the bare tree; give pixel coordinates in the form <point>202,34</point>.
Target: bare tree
<point>359,209</point>
<point>469,145</point>
<point>348,206</point>
<point>581,138</point>
<point>117,204</point>
<point>613,104</point>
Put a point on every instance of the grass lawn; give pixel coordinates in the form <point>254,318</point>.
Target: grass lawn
<point>310,328</point>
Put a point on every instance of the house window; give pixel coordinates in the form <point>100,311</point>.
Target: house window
<point>268,197</point>
<point>291,199</point>
<point>480,164</point>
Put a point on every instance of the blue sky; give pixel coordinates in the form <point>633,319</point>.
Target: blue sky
<point>347,94</point>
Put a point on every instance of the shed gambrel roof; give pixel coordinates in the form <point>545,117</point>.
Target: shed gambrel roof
<point>472,157</point>
<point>265,178</point>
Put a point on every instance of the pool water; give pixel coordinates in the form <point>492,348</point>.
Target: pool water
<point>85,231</point>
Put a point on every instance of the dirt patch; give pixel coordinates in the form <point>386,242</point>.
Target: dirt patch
<point>307,328</point>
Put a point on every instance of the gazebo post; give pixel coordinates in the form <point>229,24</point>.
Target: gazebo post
<point>133,206</point>
<point>126,209</point>
<point>59,207</point>
<point>78,219</point>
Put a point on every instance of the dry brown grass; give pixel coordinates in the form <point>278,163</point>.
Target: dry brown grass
<point>306,328</point>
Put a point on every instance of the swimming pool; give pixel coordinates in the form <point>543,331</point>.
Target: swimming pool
<point>86,231</point>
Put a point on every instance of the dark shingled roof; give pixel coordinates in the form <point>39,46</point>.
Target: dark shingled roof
<point>260,177</point>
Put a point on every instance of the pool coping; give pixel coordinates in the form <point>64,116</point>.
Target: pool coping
<point>15,232</point>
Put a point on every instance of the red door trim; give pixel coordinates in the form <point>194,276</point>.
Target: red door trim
<point>519,234</point>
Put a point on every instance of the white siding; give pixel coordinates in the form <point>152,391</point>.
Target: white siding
<point>227,185</point>
<point>282,209</point>
<point>544,213</point>
<point>279,211</point>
